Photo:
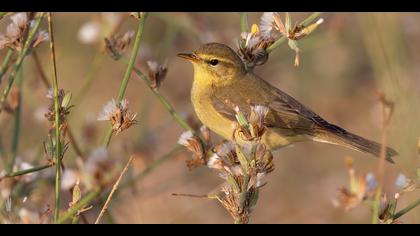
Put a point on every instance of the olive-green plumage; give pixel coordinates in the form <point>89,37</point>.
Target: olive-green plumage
<point>222,82</point>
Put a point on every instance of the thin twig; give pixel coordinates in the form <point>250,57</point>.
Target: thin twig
<point>56,122</point>
<point>114,188</point>
<point>27,171</point>
<point>407,209</point>
<point>164,101</point>
<point>127,74</point>
<point>5,64</point>
<point>17,119</point>
<point>190,195</point>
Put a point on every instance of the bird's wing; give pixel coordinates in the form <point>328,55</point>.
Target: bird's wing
<point>285,111</point>
<point>284,103</point>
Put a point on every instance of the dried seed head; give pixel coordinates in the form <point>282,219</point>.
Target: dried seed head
<point>119,115</point>
<point>157,73</point>
<point>194,145</point>
<point>13,38</point>
<point>64,108</point>
<point>41,36</point>
<point>271,25</point>
<point>116,45</point>
<point>252,47</point>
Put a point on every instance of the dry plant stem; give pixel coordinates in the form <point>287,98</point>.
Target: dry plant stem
<point>17,119</point>
<point>47,84</point>
<point>127,74</point>
<point>164,101</point>
<point>407,209</point>
<point>244,21</point>
<point>19,61</point>
<point>5,64</point>
<point>56,122</point>
<point>114,188</point>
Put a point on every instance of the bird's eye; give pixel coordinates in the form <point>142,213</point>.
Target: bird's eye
<point>214,62</point>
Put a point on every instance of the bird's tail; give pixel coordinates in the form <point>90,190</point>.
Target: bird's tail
<point>349,140</point>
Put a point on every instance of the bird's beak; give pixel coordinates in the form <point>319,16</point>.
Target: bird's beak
<point>189,56</point>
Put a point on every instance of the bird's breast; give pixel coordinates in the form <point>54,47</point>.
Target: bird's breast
<point>201,98</point>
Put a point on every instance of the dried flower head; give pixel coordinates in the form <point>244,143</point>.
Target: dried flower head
<point>251,127</point>
<point>405,184</point>
<point>157,73</point>
<point>252,47</point>
<point>116,45</point>
<point>64,100</point>
<point>13,38</point>
<point>361,187</point>
<point>15,31</point>
<point>193,144</point>
<point>273,27</point>
<point>119,115</point>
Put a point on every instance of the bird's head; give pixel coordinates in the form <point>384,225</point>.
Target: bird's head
<point>215,63</point>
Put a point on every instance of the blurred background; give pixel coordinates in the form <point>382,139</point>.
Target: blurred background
<point>344,63</point>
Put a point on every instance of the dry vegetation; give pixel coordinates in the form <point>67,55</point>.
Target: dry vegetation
<point>83,94</point>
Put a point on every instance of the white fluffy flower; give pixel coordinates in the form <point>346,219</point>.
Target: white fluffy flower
<point>108,110</point>
<point>185,138</point>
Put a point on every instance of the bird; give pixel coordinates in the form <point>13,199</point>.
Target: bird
<point>221,80</point>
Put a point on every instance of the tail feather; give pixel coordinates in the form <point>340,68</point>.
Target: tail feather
<point>355,142</point>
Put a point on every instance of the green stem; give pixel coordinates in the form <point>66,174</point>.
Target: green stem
<point>24,172</point>
<point>407,209</point>
<point>376,205</point>
<point>5,64</point>
<point>56,122</point>
<point>79,205</point>
<point>244,22</point>
<point>127,74</point>
<point>17,119</point>
<point>276,44</point>
<point>19,61</point>
<point>164,101</point>
<point>310,18</point>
